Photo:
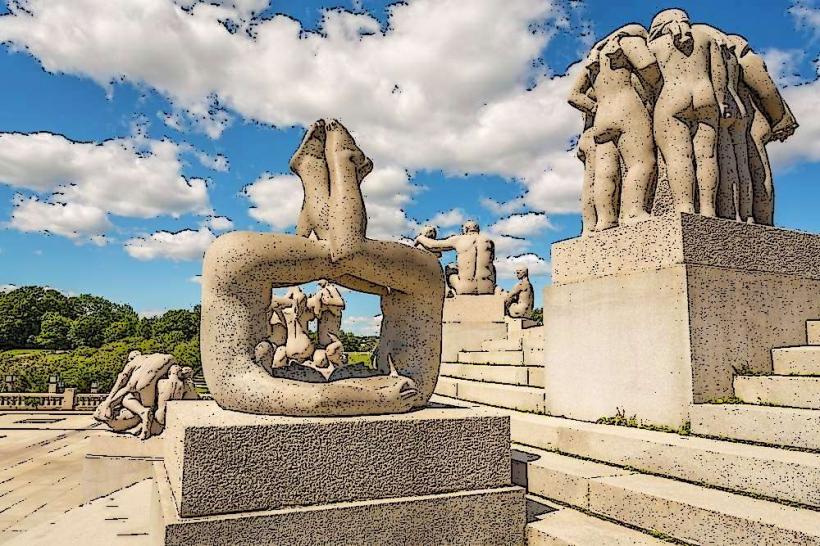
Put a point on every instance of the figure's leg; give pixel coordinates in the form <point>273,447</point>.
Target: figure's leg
<point>761,171</point>
<point>744,177</point>
<point>726,203</point>
<point>588,216</point>
<point>348,219</point>
<point>674,141</point>
<point>451,276</point>
<point>607,178</point>
<point>705,145</point>
<point>145,414</point>
<point>637,150</point>
<point>308,163</point>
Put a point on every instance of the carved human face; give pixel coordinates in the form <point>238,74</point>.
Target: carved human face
<point>521,272</point>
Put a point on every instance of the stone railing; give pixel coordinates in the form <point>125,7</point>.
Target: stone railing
<point>66,400</point>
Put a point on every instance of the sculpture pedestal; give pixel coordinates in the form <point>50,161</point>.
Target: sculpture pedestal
<point>434,476</point>
<point>653,317</point>
<point>468,320</point>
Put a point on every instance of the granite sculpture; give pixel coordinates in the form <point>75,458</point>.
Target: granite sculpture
<point>141,391</point>
<point>239,352</point>
<point>518,302</point>
<point>688,97</point>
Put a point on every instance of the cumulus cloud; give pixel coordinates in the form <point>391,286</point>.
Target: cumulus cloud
<point>196,279</point>
<point>537,266</point>
<point>783,65</point>
<point>365,326</point>
<point>450,218</point>
<point>73,220</point>
<point>804,145</point>
<point>7,288</point>
<point>275,200</point>
<point>176,246</point>
<point>219,223</point>
<point>494,111</point>
<point>522,225</point>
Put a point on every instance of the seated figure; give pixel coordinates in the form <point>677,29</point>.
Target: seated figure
<point>240,268</point>
<point>474,271</point>
<point>519,301</point>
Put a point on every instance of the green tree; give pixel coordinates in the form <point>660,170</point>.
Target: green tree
<point>55,331</point>
<point>177,320</point>
<point>119,329</point>
<point>88,331</point>
<point>22,310</point>
<point>187,354</point>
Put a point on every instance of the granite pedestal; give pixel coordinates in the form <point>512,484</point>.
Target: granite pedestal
<point>467,321</point>
<point>440,475</point>
<point>652,317</point>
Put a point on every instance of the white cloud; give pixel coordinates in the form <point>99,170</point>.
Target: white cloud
<point>196,279</point>
<point>450,218</point>
<point>151,313</point>
<point>806,16</point>
<point>537,266</point>
<point>73,220</point>
<point>386,190</point>
<point>480,118</point>
<point>783,65</point>
<point>177,246</point>
<point>522,225</point>
<point>804,145</point>
<point>508,246</point>
<point>276,200</point>
<point>365,326</point>
<point>7,288</point>
<point>219,223</point>
<point>504,208</point>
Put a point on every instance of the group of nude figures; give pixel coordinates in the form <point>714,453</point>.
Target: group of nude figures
<point>702,98</point>
<point>289,342</point>
<point>138,400</point>
<point>474,270</point>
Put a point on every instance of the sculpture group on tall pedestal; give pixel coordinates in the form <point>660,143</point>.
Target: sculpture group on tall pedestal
<point>139,397</point>
<point>242,353</point>
<point>699,100</point>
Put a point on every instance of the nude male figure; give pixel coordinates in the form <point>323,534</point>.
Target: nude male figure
<point>692,100</point>
<point>329,315</point>
<point>519,301</point>
<point>474,271</point>
<point>293,311</point>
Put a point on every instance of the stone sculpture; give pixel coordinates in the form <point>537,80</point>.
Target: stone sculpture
<point>141,391</point>
<point>703,97</point>
<point>240,268</point>
<point>518,303</point>
<point>329,313</point>
<point>474,271</point>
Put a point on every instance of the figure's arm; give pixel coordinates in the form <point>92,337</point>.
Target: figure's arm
<point>719,77</point>
<point>642,59</point>
<point>437,244</point>
<point>579,98</point>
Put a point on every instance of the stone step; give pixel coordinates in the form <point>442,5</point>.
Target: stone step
<point>781,474</point>
<point>561,526</point>
<point>763,424</point>
<point>688,512</point>
<point>813,332</point>
<point>504,344</point>
<point>525,399</point>
<point>700,515</point>
<point>510,358</point>
<point>797,360</point>
<point>779,390</point>
<point>509,375</point>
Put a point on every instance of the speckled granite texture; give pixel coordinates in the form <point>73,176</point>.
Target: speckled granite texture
<point>221,461</point>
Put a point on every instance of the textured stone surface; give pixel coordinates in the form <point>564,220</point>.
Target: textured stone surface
<point>468,336</point>
<point>813,332</point>
<point>531,399</point>
<point>765,424</point>
<point>487,516</point>
<point>467,308</point>
<point>796,360</point>
<point>566,527</point>
<point>220,461</point>
<point>700,515</point>
<point>686,239</point>
<point>510,375</point>
<point>795,392</point>
<point>509,358</point>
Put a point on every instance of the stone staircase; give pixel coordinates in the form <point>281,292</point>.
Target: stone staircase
<point>507,372</point>
<point>781,409</point>
<point>592,484</point>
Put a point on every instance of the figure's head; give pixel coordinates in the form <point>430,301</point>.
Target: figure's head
<point>186,373</point>
<point>322,283</point>
<point>671,21</point>
<point>429,231</point>
<point>132,355</point>
<point>470,226</point>
<point>173,371</point>
<point>522,272</point>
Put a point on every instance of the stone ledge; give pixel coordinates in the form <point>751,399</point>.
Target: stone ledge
<point>223,461</point>
<point>487,516</point>
<point>686,239</point>
<point>469,308</point>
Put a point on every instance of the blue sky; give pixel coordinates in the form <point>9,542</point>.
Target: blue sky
<point>128,126</point>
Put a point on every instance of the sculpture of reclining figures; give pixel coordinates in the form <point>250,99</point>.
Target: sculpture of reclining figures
<point>240,268</point>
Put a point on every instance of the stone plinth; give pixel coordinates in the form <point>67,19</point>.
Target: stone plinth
<point>467,321</point>
<point>440,475</point>
<point>652,317</point>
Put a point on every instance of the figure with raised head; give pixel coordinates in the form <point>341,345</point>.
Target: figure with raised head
<point>518,303</point>
<point>474,271</point>
<point>241,267</point>
<point>622,74</point>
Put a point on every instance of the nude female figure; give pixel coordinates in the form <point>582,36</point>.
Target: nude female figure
<point>237,273</point>
<point>692,100</point>
<point>622,127</point>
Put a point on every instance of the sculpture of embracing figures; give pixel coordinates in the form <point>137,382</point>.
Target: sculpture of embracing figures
<point>241,268</point>
<point>695,98</point>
